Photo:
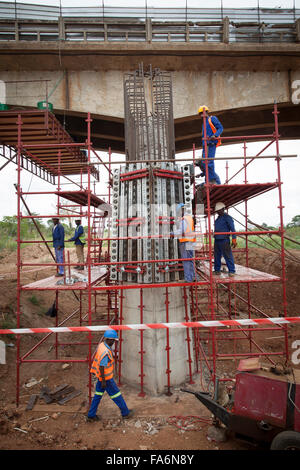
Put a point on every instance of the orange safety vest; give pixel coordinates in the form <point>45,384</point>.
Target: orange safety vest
<point>190,229</point>
<point>109,369</point>
<point>214,131</point>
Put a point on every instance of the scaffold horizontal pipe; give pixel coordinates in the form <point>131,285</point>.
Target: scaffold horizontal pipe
<point>156,326</point>
<point>122,162</point>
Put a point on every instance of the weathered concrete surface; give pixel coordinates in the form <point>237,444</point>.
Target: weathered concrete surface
<point>23,55</point>
<point>2,353</point>
<point>101,92</point>
<point>239,82</point>
<point>154,341</point>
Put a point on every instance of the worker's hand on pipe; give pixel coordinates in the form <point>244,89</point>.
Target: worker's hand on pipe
<point>234,243</point>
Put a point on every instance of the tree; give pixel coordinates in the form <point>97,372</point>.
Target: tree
<point>295,222</point>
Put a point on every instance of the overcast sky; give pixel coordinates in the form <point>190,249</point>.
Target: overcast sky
<point>169,3</point>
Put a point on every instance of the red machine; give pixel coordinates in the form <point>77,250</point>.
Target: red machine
<point>265,408</point>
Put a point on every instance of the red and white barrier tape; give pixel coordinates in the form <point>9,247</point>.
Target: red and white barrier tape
<point>157,326</point>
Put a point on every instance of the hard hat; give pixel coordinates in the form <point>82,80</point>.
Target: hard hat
<point>111,334</point>
<point>219,205</point>
<point>179,206</point>
<point>200,110</point>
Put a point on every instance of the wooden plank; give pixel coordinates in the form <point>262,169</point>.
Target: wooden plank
<point>31,402</point>
<point>69,397</point>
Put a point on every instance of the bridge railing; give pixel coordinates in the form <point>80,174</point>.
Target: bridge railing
<point>23,22</point>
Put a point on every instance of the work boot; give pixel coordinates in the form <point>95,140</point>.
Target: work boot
<point>129,415</point>
<point>91,419</point>
<point>231,274</point>
<point>217,273</point>
<point>58,275</point>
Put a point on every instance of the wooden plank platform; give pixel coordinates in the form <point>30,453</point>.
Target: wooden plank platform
<point>243,274</point>
<point>231,194</point>
<point>42,136</point>
<point>50,283</point>
<point>81,198</point>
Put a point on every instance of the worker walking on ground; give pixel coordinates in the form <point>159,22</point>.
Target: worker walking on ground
<point>103,369</point>
<point>213,131</point>
<point>224,223</point>
<point>79,244</point>
<point>58,236</point>
<point>185,231</point>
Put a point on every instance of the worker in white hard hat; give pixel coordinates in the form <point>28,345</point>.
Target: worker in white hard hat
<point>223,223</point>
<point>185,233</point>
<point>213,131</point>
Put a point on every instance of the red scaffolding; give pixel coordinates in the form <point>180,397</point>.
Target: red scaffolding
<point>37,142</point>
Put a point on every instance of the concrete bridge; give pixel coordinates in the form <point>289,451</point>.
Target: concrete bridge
<point>237,69</point>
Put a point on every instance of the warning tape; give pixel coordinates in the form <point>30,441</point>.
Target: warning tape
<point>157,326</point>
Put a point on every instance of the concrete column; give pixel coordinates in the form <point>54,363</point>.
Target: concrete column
<point>155,341</point>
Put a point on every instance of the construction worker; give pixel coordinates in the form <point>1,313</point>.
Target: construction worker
<point>224,223</point>
<point>79,244</point>
<point>103,369</point>
<point>213,131</point>
<point>185,224</point>
<point>58,236</point>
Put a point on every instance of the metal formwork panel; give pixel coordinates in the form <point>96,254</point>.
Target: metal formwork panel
<point>115,256</point>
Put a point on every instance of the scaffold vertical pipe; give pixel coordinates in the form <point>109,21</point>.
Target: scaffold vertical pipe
<point>168,370</point>
<point>284,299</point>
<point>88,260</point>
<point>188,338</point>
<point>211,293</point>
<point>247,245</point>
<point>19,124</point>
<point>142,352</point>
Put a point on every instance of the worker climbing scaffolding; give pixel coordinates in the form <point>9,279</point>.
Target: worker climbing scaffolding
<point>211,131</point>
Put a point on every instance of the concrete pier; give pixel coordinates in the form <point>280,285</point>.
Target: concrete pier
<point>155,341</point>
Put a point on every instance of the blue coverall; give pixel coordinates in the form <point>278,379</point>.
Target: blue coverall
<point>78,232</point>
<point>224,223</point>
<point>58,235</point>
<point>112,390</point>
<point>211,148</point>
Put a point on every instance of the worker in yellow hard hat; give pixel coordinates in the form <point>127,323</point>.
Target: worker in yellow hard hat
<point>213,131</point>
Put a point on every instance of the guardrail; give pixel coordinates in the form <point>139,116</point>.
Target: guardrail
<point>24,22</point>
<point>148,31</point>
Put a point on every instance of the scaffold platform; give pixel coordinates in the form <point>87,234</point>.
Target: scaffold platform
<point>232,194</point>
<point>45,143</point>
<point>56,283</point>
<point>243,274</point>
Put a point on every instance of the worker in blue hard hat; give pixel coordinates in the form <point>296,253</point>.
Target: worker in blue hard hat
<point>103,369</point>
<point>213,131</point>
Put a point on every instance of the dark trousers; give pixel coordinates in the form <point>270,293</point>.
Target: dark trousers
<point>223,248</point>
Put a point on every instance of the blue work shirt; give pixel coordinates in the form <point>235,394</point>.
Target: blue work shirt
<point>78,232</point>
<point>105,359</point>
<point>58,235</point>
<point>224,223</point>
<point>209,132</point>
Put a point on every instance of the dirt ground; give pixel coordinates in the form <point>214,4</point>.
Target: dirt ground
<point>176,422</point>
